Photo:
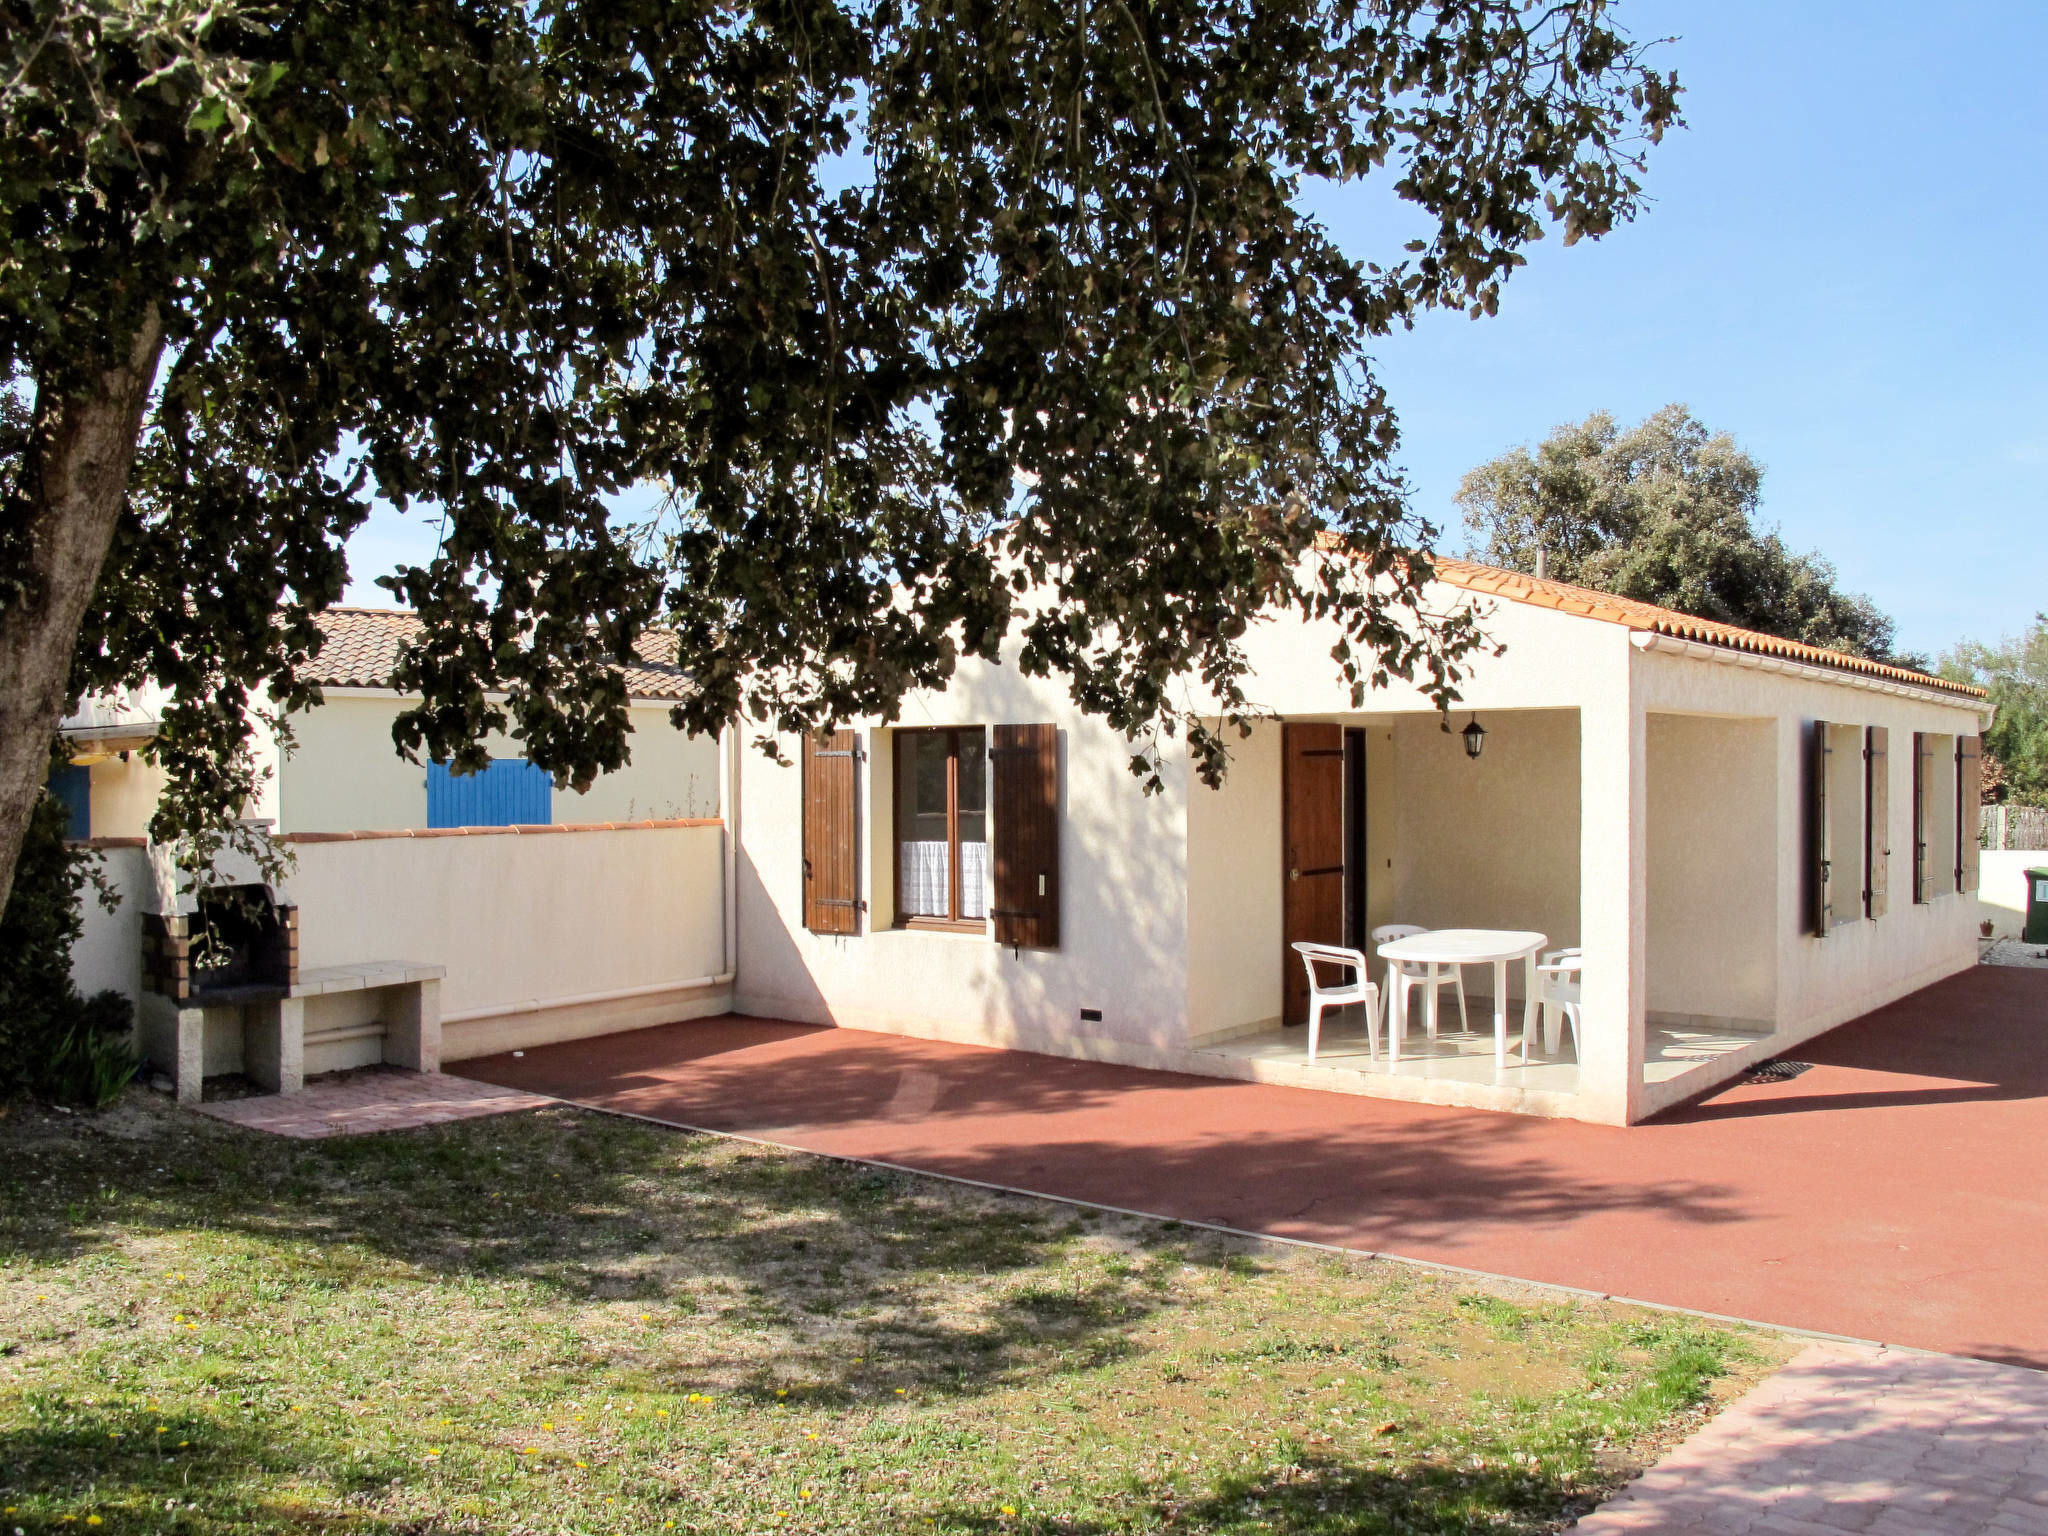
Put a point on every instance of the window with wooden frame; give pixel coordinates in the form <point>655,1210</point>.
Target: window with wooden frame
<point>941,813</point>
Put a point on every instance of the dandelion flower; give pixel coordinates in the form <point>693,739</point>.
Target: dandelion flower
<point>646,1317</point>
<point>1009,1509</point>
<point>92,1519</point>
<point>661,1413</point>
<point>901,1393</point>
<point>548,1428</point>
<point>782,1391</point>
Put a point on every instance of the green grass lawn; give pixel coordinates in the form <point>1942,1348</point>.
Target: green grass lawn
<point>565,1322</point>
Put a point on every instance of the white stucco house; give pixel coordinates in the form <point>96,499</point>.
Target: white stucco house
<point>343,773</point>
<point>1752,841</point>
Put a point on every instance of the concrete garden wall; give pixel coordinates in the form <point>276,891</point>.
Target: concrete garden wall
<point>546,936</point>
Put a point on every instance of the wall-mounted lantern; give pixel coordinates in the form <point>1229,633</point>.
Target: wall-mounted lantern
<point>1475,738</point>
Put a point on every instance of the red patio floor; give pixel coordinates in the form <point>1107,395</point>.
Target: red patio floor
<point>1897,1192</point>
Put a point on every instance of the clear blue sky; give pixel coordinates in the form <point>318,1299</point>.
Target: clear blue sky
<point>1839,266</point>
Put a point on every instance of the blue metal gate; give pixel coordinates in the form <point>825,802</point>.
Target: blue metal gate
<point>509,793</point>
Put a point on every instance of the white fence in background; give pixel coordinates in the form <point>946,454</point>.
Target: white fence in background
<point>2015,827</point>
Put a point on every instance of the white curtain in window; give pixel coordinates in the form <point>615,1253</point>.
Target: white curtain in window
<point>973,879</point>
<point>921,879</point>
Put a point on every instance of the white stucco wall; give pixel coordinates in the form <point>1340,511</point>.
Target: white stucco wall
<point>523,922</point>
<point>124,795</point>
<point>1235,952</point>
<point>1713,867</point>
<point>345,775</point>
<point>2002,888</point>
<point>1492,843</point>
<point>1860,965</point>
<point>108,953</point>
<point>1123,920</point>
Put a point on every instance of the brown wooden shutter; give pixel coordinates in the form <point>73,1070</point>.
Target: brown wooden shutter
<point>1877,822</point>
<point>1923,757</point>
<point>1024,795</point>
<point>1820,914</point>
<point>831,833</point>
<point>1969,809</point>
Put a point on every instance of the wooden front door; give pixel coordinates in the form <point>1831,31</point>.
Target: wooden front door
<point>1312,849</point>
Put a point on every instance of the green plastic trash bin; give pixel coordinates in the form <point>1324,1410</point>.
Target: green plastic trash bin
<point>2037,907</point>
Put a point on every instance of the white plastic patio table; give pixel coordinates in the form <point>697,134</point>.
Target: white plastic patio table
<point>1468,946</point>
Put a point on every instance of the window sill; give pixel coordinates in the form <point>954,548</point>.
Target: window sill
<point>976,926</point>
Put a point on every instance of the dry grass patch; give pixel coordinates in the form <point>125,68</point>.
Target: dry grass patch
<point>560,1321</point>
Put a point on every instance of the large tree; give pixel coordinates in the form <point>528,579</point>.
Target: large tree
<point>908,307</point>
<point>2015,672</point>
<point>1664,512</point>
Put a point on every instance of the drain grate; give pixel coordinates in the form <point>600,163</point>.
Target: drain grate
<point>1777,1071</point>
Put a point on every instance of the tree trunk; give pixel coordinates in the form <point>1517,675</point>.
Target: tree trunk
<point>66,502</point>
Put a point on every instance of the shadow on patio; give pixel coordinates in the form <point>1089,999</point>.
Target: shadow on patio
<point>1756,1202</point>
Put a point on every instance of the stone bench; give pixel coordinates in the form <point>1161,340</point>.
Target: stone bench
<point>341,1015</point>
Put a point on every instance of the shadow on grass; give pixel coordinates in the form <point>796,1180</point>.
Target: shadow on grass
<point>835,1263</point>
<point>74,1466</point>
<point>1326,1496</point>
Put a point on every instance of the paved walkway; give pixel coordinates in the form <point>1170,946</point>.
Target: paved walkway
<point>374,1099</point>
<point>1898,1192</point>
<point>2015,952</point>
<point>1847,1438</point>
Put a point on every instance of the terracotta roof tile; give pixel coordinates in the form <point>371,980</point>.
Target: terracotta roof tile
<point>362,644</point>
<point>1543,593</point>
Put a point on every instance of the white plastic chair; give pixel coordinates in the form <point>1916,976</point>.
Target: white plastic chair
<point>1343,995</point>
<point>1557,996</point>
<point>1429,976</point>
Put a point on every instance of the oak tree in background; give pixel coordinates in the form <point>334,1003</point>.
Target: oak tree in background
<point>906,305</point>
<point>1663,512</point>
<point>2015,672</point>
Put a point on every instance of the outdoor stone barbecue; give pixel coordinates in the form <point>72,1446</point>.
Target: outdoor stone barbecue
<point>223,991</point>
<point>239,944</point>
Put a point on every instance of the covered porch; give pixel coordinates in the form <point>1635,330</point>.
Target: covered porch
<point>1649,841</point>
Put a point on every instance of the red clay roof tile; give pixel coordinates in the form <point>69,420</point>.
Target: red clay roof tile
<point>362,650</point>
<point>1541,592</point>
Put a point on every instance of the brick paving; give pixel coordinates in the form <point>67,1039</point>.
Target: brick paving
<point>1856,1438</point>
<point>1898,1192</point>
<point>373,1099</point>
